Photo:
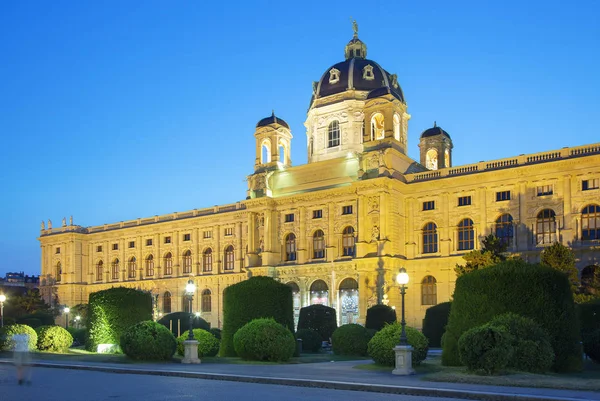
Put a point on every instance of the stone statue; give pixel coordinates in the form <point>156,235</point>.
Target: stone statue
<point>49,224</point>
<point>375,233</point>
<point>355,27</point>
<point>71,220</point>
<point>43,225</point>
<point>64,222</point>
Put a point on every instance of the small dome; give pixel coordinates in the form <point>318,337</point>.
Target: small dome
<point>272,120</point>
<point>435,130</point>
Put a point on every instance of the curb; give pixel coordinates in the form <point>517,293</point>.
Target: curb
<point>332,385</point>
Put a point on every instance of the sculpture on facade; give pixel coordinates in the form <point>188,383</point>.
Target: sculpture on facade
<point>49,224</point>
<point>43,227</point>
<point>64,222</point>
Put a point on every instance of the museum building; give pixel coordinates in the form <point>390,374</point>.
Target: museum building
<point>338,229</point>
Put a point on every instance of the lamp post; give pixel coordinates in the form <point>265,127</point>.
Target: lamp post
<point>190,288</point>
<point>67,310</point>
<point>2,299</point>
<point>190,346</point>
<point>403,350</point>
<point>77,319</point>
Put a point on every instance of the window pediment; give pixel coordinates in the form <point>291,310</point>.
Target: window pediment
<point>334,76</point>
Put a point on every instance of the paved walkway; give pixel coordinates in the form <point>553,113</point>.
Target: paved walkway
<point>335,375</point>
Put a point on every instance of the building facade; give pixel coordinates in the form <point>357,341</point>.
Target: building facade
<point>338,228</point>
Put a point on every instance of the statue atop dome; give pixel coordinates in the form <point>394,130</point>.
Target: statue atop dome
<point>355,28</point>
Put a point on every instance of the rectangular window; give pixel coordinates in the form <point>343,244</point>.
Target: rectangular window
<point>347,209</point>
<point>593,183</point>
<point>167,240</point>
<point>543,190</point>
<point>115,247</point>
<point>429,205</point>
<point>207,234</point>
<point>132,244</point>
<point>317,214</point>
<point>464,201</point>
<point>99,248</point>
<point>57,250</point>
<point>289,217</point>
<point>229,232</point>
<point>502,196</point>
<point>187,237</point>
<point>148,242</point>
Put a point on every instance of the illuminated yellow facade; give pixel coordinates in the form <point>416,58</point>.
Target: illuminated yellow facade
<point>339,228</point>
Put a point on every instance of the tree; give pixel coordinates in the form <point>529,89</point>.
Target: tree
<point>492,253</point>
<point>28,303</point>
<point>562,258</point>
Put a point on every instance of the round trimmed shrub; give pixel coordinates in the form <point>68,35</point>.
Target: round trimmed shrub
<point>6,333</point>
<point>350,339</point>
<point>44,318</point>
<point>380,315</point>
<point>485,349</point>
<point>319,318</point>
<point>208,344</point>
<point>32,322</point>
<point>434,324</point>
<point>381,346</point>
<point>79,335</point>
<point>53,339</point>
<point>591,345</point>
<point>181,321</point>
<point>311,340</point>
<point>257,297</point>
<point>532,351</point>
<point>216,332</point>
<point>148,340</point>
<point>264,340</point>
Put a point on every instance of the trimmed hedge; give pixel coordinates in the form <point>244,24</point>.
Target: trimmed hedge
<point>591,345</point>
<point>350,339</point>
<point>148,341</point>
<point>485,349</point>
<point>543,294</point>
<point>45,319</point>
<point>589,316</point>
<point>208,344</point>
<point>319,318</point>
<point>264,340</point>
<point>381,346</point>
<point>257,297</point>
<point>170,322</point>
<point>380,315</point>
<point>53,339</point>
<point>113,311</point>
<point>216,332</point>
<point>311,340</point>
<point>434,324</point>
<point>79,335</point>
<point>6,333</point>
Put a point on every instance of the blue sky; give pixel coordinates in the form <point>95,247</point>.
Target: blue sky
<point>116,110</point>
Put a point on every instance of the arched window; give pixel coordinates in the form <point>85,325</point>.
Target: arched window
<point>319,293</point>
<point>296,301</point>
<point>431,159</point>
<point>166,303</point>
<point>504,229</point>
<point>58,272</point>
<point>545,227</point>
<point>318,245</point>
<point>333,134</point>
<point>150,266</point>
<point>186,303</point>
<point>348,241</point>
<point>265,152</point>
<point>115,269</point>
<point>283,151</point>
<point>348,296</point>
<point>430,238</point>
<point>168,261</point>
<point>429,291</point>
<point>187,262</point>
<point>290,247</point>
<point>206,301</point>
<point>207,260</point>
<point>377,126</point>
<point>447,158</point>
<point>590,223</point>
<point>132,267</point>
<point>396,127</point>
<point>99,270</point>
<point>229,258</point>
<point>466,235</point>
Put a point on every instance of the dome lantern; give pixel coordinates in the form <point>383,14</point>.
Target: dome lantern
<point>356,47</point>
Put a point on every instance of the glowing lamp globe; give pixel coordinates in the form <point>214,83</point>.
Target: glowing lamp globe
<point>190,287</point>
<point>67,310</point>
<point>402,277</point>
<point>2,297</point>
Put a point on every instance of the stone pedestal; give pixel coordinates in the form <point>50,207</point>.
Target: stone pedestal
<point>190,352</point>
<point>403,360</point>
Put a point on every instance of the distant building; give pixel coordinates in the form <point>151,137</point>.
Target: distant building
<point>13,279</point>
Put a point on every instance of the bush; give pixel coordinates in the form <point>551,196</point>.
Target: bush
<point>113,311</point>
<point>216,332</point>
<point>264,340</point>
<point>381,346</point>
<point>319,318</point>
<point>32,322</point>
<point>591,345</point>
<point>544,295</point>
<point>178,322</point>
<point>44,319</point>
<point>79,335</point>
<point>350,339</point>
<point>589,316</point>
<point>6,333</point>
<point>257,297</point>
<point>148,340</point>
<point>485,348</point>
<point>532,351</point>
<point>208,344</point>
<point>378,316</point>
<point>53,339</point>
<point>311,340</point>
<point>434,324</point>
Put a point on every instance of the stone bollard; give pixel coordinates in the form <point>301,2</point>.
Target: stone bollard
<point>298,347</point>
<point>190,352</point>
<point>403,360</point>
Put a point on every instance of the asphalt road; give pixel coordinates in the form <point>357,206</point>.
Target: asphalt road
<point>73,385</point>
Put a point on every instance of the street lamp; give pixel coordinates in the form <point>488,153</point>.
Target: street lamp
<point>67,310</point>
<point>77,319</point>
<point>402,280</point>
<point>190,288</point>
<point>2,299</point>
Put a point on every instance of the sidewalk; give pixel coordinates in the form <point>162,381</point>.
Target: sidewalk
<point>333,375</point>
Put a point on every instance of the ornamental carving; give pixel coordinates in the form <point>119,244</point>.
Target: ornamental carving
<point>373,203</point>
